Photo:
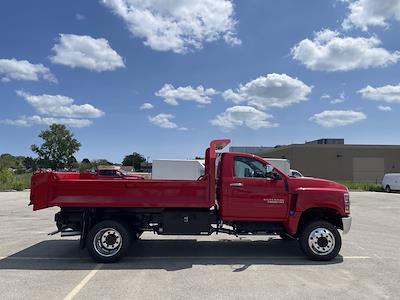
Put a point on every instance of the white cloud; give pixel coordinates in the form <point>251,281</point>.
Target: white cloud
<point>273,90</point>
<point>365,13</point>
<point>57,109</point>
<point>12,69</point>
<point>24,121</point>
<point>163,120</point>
<point>60,106</point>
<point>86,52</point>
<point>387,93</point>
<point>187,93</point>
<point>179,25</point>
<point>329,51</point>
<point>243,116</point>
<point>335,118</point>
<point>339,99</point>
<point>146,105</point>
<point>384,108</point>
<point>80,17</point>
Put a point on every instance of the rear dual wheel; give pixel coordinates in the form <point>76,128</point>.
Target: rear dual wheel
<point>320,240</point>
<point>108,241</point>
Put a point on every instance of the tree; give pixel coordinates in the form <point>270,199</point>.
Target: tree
<point>85,161</point>
<point>29,163</point>
<point>7,161</point>
<point>101,162</point>
<point>58,148</point>
<point>134,159</point>
<point>85,165</point>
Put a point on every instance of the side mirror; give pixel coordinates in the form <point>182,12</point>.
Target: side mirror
<point>277,176</point>
<point>270,173</point>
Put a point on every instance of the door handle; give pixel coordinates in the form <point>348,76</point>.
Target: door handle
<point>236,184</point>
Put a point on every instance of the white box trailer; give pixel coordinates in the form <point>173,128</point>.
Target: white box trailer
<point>280,163</point>
<point>177,169</point>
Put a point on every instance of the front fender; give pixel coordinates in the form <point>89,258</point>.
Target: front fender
<point>307,198</point>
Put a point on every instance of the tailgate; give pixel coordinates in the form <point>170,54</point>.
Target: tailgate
<point>40,186</point>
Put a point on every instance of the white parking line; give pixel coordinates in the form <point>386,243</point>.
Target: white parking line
<point>235,257</point>
<point>83,282</point>
<point>42,258</point>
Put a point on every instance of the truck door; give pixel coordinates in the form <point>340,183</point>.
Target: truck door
<point>250,195</point>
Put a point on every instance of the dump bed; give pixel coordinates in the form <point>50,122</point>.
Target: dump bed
<point>80,190</point>
<point>74,189</point>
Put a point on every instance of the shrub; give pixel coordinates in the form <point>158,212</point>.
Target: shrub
<point>363,186</point>
<point>11,181</point>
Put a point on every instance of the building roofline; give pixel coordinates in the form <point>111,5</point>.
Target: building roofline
<point>332,146</point>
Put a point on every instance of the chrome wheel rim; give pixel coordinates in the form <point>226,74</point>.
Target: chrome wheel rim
<point>107,242</point>
<point>321,241</point>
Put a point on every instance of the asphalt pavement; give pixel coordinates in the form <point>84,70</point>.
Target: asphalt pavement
<point>34,265</point>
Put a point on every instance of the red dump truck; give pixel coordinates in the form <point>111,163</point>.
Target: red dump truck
<point>240,194</point>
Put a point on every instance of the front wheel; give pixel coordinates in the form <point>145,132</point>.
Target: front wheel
<point>108,241</point>
<point>388,189</point>
<point>320,240</point>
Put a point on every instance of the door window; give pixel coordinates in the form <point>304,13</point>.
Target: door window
<point>245,167</point>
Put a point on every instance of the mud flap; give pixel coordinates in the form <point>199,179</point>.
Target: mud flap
<point>85,228</point>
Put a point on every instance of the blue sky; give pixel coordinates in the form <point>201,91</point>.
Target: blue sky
<point>258,72</point>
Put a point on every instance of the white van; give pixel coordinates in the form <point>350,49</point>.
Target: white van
<point>391,182</point>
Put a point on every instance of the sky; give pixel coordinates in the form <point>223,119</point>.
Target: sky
<point>164,77</point>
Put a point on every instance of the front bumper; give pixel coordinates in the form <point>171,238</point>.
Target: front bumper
<point>346,221</point>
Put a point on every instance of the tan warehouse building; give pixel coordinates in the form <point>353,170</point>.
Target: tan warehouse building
<point>332,159</point>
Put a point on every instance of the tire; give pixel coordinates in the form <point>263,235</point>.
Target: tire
<point>388,189</point>
<point>108,241</point>
<point>320,240</point>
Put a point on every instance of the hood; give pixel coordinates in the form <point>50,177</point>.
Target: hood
<point>310,182</point>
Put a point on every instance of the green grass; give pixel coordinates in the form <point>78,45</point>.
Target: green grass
<point>11,181</point>
<point>363,186</point>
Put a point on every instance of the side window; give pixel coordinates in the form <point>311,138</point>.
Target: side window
<point>245,167</point>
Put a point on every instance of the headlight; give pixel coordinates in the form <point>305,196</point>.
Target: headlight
<point>346,198</point>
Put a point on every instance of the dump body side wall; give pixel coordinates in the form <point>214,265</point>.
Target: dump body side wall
<point>48,189</point>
